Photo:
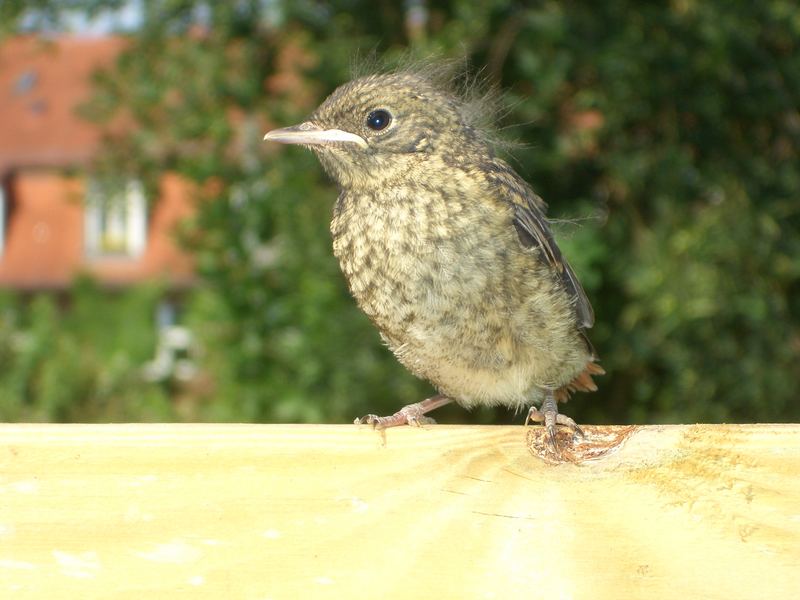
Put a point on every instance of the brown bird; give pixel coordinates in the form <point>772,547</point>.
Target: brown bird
<point>448,250</point>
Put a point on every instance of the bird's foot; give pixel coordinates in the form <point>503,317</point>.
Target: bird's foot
<point>413,414</point>
<point>401,417</point>
<point>550,416</point>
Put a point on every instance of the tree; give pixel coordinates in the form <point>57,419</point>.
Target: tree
<point>665,135</point>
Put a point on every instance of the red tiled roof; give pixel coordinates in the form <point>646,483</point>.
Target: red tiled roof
<point>42,82</point>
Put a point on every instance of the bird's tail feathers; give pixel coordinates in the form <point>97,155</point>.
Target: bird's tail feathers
<point>582,383</point>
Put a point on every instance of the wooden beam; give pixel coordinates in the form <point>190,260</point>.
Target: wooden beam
<point>282,511</point>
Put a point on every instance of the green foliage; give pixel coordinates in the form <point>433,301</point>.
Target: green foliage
<point>696,167</point>
<point>666,135</point>
<point>80,359</point>
<point>276,324</point>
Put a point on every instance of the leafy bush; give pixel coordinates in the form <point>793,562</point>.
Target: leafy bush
<point>81,358</point>
<point>665,135</point>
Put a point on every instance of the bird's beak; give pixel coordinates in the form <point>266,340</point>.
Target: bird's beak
<point>310,134</point>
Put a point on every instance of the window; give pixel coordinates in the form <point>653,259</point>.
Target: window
<point>115,220</point>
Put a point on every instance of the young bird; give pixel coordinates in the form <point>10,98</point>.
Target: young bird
<point>448,251</point>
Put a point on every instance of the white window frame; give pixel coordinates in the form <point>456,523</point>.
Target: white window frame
<point>115,225</point>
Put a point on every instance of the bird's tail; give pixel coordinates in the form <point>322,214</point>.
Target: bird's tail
<point>582,383</point>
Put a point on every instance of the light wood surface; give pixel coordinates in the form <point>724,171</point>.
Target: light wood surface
<point>277,511</point>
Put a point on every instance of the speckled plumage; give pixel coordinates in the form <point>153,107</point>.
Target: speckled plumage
<point>447,249</point>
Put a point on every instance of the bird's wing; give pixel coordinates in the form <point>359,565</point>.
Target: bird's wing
<point>533,230</point>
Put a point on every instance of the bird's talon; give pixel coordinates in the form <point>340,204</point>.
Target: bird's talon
<point>551,418</point>
<point>551,435</point>
<point>534,415</point>
<point>413,414</point>
<point>569,422</point>
<point>373,421</point>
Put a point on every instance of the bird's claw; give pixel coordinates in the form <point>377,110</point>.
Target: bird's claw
<point>413,414</point>
<point>374,421</point>
<point>551,418</point>
<point>408,415</point>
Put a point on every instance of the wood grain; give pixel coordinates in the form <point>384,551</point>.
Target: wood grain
<point>277,511</point>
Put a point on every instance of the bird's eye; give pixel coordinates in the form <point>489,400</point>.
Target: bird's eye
<point>379,119</point>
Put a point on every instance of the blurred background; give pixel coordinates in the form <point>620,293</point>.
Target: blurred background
<point>159,262</point>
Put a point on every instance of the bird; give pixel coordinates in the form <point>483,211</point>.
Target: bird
<point>448,250</point>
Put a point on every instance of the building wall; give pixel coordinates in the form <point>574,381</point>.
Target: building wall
<point>44,235</point>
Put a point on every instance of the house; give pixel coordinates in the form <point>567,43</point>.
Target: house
<point>56,222</point>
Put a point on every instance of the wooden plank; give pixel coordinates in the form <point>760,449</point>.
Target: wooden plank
<point>276,511</point>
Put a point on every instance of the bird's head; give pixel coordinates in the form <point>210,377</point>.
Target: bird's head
<point>376,129</point>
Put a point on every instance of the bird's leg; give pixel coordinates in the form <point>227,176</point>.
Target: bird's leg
<point>413,414</point>
<point>550,416</point>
